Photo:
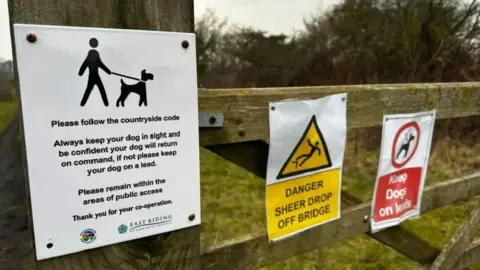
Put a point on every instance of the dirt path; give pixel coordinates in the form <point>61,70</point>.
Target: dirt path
<point>14,234</point>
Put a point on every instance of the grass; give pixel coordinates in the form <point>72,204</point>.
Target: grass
<point>233,206</point>
<point>7,113</point>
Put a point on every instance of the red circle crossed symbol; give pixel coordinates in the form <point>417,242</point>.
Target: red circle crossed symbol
<point>395,140</point>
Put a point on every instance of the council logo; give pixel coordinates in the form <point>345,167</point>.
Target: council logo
<point>88,236</point>
<point>144,224</point>
<point>122,229</point>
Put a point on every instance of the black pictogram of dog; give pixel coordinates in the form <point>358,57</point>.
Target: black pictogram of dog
<point>140,88</point>
<point>406,145</point>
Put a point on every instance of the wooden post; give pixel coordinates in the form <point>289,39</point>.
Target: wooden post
<point>459,243</point>
<point>175,250</point>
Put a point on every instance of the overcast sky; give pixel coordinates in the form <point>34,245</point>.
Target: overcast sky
<point>274,16</point>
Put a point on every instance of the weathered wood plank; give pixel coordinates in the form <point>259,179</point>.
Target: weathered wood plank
<point>161,15</point>
<point>176,250</point>
<point>459,242</point>
<point>246,110</point>
<point>407,243</point>
<point>469,257</point>
<point>254,251</point>
<point>400,239</point>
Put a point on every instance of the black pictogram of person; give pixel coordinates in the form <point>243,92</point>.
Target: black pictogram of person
<point>405,145</point>
<point>93,63</point>
<point>314,148</point>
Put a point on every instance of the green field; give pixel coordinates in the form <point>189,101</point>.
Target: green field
<point>7,113</point>
<point>233,206</point>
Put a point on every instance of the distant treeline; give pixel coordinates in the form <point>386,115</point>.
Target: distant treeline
<point>355,42</point>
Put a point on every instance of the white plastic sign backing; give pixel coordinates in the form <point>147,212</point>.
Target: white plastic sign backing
<point>305,160</point>
<point>111,130</point>
<point>405,150</point>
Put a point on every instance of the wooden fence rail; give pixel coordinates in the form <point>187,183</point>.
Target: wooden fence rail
<point>243,140</point>
<point>254,251</point>
<point>246,110</point>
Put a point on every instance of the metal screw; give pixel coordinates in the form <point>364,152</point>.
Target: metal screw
<point>273,108</point>
<point>365,218</point>
<point>185,44</point>
<point>212,120</point>
<point>31,38</point>
<point>241,133</point>
<point>343,99</point>
<point>191,217</point>
<point>49,245</point>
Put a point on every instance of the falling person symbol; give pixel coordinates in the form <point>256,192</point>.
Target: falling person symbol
<point>405,145</point>
<point>306,157</point>
<point>93,62</point>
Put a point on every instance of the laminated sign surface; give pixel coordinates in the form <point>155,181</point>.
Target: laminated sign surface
<point>406,140</point>
<point>304,173</point>
<point>111,132</point>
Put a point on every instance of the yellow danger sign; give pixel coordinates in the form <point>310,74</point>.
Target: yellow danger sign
<point>304,168</point>
<point>302,203</point>
<point>310,153</point>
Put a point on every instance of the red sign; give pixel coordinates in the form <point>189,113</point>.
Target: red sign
<point>397,193</point>
<point>401,174</point>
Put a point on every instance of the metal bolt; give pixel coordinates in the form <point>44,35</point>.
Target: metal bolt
<point>31,38</point>
<point>273,108</point>
<point>212,120</point>
<point>191,217</point>
<point>241,133</point>
<point>365,218</point>
<point>185,44</point>
<point>343,99</point>
<point>49,245</point>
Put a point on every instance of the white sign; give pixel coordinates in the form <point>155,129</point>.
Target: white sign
<point>404,155</point>
<point>111,130</point>
<point>304,173</point>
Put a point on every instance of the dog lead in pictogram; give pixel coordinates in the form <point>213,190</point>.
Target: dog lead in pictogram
<point>93,63</point>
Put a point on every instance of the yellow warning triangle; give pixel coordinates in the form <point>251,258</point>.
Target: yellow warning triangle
<point>310,153</point>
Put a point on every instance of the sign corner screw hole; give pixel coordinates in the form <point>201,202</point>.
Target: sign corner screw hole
<point>49,245</point>
<point>185,44</point>
<point>272,108</point>
<point>191,217</point>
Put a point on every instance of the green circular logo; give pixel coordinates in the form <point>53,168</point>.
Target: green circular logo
<point>88,236</point>
<point>122,228</point>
